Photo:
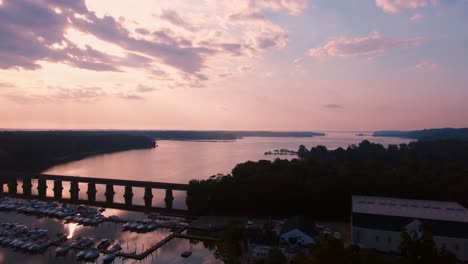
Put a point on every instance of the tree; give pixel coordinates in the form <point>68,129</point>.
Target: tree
<point>275,256</point>
<point>419,247</point>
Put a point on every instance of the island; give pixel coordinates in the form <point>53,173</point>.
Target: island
<point>427,134</point>
<point>281,152</point>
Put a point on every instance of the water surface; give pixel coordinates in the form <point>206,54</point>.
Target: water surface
<point>181,161</point>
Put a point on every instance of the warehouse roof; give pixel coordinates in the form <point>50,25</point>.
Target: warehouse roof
<point>417,209</point>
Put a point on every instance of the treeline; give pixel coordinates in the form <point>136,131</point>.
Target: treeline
<point>195,135</point>
<point>428,134</point>
<point>321,182</point>
<point>36,151</point>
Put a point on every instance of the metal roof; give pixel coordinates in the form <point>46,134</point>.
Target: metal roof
<point>435,210</point>
<point>398,223</point>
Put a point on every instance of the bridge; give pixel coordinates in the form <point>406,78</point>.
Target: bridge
<point>13,180</point>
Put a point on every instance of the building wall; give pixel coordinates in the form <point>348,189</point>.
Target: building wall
<point>388,241</point>
<point>258,251</point>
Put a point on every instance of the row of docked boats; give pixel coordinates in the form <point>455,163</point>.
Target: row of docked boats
<point>80,214</point>
<point>87,252</point>
<point>140,226</point>
<point>19,237</point>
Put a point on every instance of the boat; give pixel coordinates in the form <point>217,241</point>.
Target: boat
<point>186,254</point>
<point>108,258</point>
<point>116,248</point>
<point>62,250</point>
<point>104,244</point>
<point>80,255</point>
<point>91,255</point>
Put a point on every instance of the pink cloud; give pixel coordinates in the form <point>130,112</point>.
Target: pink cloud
<point>174,18</point>
<point>393,6</point>
<point>371,45</point>
<point>293,7</point>
<point>427,66</point>
<point>416,17</point>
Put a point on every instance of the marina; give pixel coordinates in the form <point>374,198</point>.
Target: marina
<point>33,240</point>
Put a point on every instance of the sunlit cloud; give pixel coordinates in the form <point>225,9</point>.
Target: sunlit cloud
<point>417,17</point>
<point>393,6</point>
<point>174,18</point>
<point>427,66</point>
<point>370,45</point>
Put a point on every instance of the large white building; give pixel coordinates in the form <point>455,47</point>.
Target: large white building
<point>377,222</point>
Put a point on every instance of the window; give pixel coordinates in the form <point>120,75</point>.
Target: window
<point>389,240</point>
<point>377,238</point>
<point>457,247</point>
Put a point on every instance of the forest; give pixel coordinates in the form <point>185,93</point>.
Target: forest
<point>37,151</point>
<point>320,182</point>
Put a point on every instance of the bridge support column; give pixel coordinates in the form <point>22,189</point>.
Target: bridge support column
<point>27,187</point>
<point>91,192</point>
<point>128,195</point>
<point>109,193</point>
<point>148,197</point>
<point>169,198</point>
<point>42,187</point>
<point>58,189</point>
<point>74,191</point>
<point>12,186</point>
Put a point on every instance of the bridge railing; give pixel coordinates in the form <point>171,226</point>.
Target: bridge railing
<point>11,179</point>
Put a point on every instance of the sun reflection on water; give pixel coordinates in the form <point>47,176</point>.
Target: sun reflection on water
<point>71,229</point>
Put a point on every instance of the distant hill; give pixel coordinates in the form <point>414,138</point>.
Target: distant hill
<point>188,134</point>
<point>427,134</point>
<point>214,135</point>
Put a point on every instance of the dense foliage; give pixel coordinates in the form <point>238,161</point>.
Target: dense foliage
<point>415,249</point>
<point>35,151</point>
<point>320,183</point>
<point>428,134</point>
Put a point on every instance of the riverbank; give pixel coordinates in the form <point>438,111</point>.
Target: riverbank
<point>36,151</point>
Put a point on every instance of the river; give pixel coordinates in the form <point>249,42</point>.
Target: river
<point>181,161</point>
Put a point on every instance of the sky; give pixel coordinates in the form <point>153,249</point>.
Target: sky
<point>315,65</point>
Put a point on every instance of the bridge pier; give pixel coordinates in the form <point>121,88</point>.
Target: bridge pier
<point>12,186</point>
<point>128,195</point>
<point>74,191</point>
<point>91,192</point>
<point>148,197</point>
<point>58,189</point>
<point>109,193</point>
<point>56,182</point>
<point>42,187</point>
<point>27,187</point>
<point>169,198</point>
